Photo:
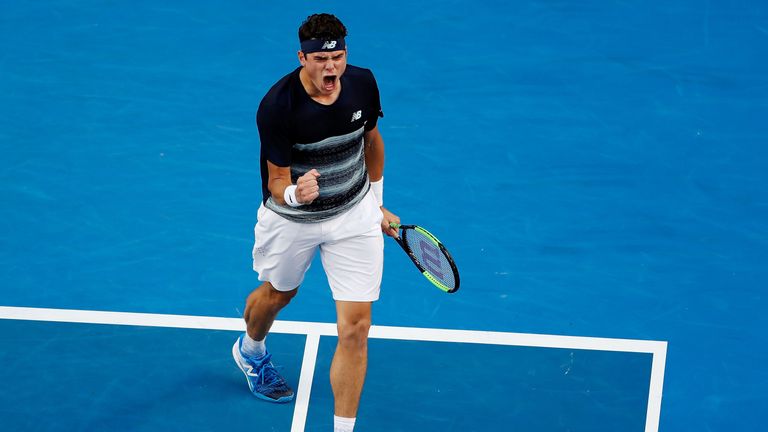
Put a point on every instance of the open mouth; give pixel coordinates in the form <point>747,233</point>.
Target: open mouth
<point>329,82</point>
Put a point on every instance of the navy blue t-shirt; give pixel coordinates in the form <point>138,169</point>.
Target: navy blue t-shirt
<point>301,133</point>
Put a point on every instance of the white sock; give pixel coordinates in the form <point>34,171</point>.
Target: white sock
<point>253,348</point>
<point>343,424</point>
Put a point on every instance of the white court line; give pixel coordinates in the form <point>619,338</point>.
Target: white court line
<point>305,382</point>
<point>653,415</point>
<point>315,330</point>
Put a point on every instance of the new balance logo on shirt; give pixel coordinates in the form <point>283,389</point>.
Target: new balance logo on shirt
<point>356,115</point>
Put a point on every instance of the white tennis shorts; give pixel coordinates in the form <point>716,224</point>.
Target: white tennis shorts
<point>351,249</point>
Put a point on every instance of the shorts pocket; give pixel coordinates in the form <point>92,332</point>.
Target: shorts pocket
<point>273,233</point>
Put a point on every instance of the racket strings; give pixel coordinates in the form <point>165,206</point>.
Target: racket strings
<point>431,257</point>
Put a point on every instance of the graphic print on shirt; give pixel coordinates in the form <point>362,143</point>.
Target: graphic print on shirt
<point>343,180</point>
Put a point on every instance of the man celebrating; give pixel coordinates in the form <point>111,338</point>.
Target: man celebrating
<point>322,162</point>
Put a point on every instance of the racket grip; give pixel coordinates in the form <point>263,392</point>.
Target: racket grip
<point>394,225</point>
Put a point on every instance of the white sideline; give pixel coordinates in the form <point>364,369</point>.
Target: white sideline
<point>314,331</point>
<point>305,382</point>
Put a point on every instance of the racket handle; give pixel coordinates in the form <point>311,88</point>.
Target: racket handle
<point>394,225</point>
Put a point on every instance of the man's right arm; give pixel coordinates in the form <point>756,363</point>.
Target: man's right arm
<point>280,178</point>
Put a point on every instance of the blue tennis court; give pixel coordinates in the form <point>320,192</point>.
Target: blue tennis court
<point>597,170</point>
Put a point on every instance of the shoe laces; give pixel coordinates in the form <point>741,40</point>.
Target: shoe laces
<point>268,374</point>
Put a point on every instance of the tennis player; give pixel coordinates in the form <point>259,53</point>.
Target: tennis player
<point>322,162</point>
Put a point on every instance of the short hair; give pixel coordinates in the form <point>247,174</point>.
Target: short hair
<point>321,26</point>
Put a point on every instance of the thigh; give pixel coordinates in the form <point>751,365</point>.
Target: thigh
<point>354,266</point>
<point>283,250</point>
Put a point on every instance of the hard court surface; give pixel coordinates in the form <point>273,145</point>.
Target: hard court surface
<point>597,169</point>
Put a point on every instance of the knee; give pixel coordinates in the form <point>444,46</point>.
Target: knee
<point>268,295</point>
<point>281,298</point>
<point>354,334</point>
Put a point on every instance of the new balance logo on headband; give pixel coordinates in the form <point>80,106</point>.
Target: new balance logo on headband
<point>315,45</point>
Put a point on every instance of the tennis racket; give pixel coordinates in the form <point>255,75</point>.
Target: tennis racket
<point>430,256</point>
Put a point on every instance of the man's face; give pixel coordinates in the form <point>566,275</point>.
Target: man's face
<point>324,69</point>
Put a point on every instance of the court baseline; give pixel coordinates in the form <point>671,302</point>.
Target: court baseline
<point>315,330</point>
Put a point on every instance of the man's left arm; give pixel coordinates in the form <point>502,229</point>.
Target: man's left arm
<point>374,161</point>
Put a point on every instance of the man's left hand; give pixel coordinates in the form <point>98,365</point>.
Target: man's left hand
<point>388,218</point>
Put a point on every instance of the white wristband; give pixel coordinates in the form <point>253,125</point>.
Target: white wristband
<point>290,196</point>
<point>378,190</point>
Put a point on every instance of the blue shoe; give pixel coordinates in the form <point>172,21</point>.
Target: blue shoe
<point>263,379</point>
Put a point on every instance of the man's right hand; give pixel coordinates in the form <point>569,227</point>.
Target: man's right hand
<point>307,189</point>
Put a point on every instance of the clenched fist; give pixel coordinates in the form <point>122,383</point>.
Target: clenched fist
<point>307,189</point>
